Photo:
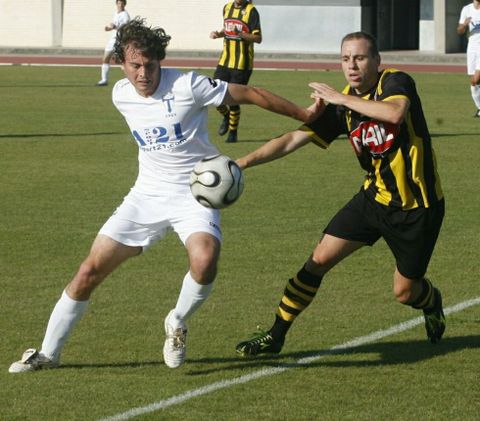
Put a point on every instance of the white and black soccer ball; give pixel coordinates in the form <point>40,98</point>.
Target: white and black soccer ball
<point>216,182</point>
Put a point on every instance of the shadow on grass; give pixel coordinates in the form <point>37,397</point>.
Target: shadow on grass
<point>83,86</point>
<point>34,135</point>
<point>132,364</point>
<point>386,353</point>
<point>435,135</point>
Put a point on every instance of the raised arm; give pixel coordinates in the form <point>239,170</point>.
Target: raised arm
<point>391,111</point>
<point>275,149</point>
<point>245,94</point>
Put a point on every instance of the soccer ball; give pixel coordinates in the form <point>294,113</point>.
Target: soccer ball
<point>216,182</point>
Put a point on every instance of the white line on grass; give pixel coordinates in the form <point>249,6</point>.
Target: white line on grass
<point>224,384</point>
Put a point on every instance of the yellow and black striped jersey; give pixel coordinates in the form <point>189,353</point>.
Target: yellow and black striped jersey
<point>238,53</point>
<point>399,159</point>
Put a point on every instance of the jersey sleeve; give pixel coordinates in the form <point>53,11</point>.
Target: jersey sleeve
<point>395,84</point>
<point>254,23</point>
<point>207,91</point>
<point>325,129</point>
<point>121,19</point>
<point>463,15</point>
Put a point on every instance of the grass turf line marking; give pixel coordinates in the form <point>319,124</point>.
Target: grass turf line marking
<point>362,340</point>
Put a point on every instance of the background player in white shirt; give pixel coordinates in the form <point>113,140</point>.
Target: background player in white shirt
<point>166,111</point>
<point>121,17</point>
<point>470,19</point>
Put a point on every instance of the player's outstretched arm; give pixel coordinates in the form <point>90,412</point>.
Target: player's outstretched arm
<point>244,94</point>
<point>275,149</point>
<point>392,111</point>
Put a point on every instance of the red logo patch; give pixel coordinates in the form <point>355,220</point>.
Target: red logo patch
<point>233,27</point>
<point>376,137</point>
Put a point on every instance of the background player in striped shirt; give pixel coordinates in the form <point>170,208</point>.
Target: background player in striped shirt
<point>241,29</point>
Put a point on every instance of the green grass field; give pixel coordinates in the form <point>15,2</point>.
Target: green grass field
<point>66,161</point>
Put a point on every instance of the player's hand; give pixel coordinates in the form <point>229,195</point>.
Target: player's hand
<point>315,110</point>
<point>214,35</point>
<point>237,31</point>
<point>326,93</point>
<point>241,162</point>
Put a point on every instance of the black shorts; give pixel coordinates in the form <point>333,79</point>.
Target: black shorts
<point>232,75</point>
<point>411,235</point>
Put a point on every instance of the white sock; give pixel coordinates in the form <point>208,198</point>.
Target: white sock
<point>192,296</point>
<point>63,319</point>
<point>475,90</point>
<point>105,70</point>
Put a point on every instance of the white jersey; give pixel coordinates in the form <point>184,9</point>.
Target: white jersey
<point>119,19</point>
<point>469,11</point>
<point>170,126</point>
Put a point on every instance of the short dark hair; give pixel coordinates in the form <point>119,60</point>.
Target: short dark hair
<point>152,42</point>
<point>366,36</point>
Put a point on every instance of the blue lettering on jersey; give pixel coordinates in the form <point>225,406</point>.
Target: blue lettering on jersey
<point>158,136</point>
<point>178,132</point>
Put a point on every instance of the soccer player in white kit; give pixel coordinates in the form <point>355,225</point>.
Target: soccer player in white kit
<point>166,111</point>
<point>470,19</point>
<point>121,17</point>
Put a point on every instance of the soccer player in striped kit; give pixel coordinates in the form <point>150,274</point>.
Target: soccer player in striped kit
<point>401,199</point>
<point>241,29</point>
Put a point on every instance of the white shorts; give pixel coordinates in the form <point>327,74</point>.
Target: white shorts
<point>473,62</point>
<point>141,220</point>
<point>110,45</point>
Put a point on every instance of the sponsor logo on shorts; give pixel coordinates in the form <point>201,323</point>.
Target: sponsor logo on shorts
<point>214,225</point>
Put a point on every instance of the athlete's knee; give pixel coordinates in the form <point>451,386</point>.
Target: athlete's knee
<point>203,265</point>
<point>320,262</point>
<point>204,273</point>
<point>316,265</point>
<point>405,289</point>
<point>402,294</point>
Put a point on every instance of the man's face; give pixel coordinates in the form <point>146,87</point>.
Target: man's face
<point>120,5</point>
<point>240,3</point>
<point>358,65</point>
<point>142,72</point>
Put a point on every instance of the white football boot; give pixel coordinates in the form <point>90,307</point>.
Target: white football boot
<point>174,349</point>
<point>32,360</point>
